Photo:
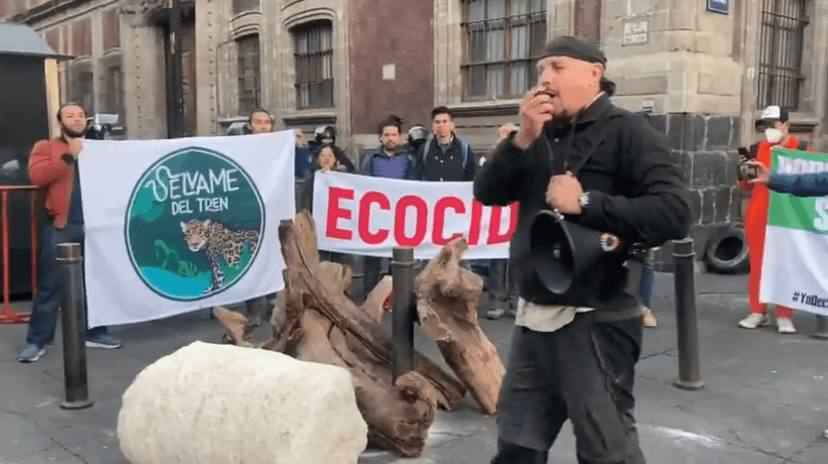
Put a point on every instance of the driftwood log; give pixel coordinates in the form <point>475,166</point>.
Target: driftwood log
<point>448,296</point>
<point>318,322</point>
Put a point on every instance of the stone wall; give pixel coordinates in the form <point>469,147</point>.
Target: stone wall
<point>706,147</point>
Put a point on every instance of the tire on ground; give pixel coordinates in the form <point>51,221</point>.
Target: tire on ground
<point>727,251</point>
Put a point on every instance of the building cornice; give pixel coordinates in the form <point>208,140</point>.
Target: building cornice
<point>44,10</point>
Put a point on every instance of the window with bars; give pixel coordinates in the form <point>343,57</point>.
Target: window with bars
<point>250,88</point>
<point>240,6</point>
<point>83,91</point>
<point>503,42</point>
<point>313,51</point>
<point>780,53</point>
<point>112,91</point>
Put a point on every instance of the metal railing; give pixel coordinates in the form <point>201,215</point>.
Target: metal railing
<point>8,316</point>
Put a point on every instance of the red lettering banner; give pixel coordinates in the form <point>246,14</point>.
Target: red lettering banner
<point>371,215</point>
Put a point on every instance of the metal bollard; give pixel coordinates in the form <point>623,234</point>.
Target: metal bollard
<point>402,274</point>
<point>686,323</point>
<point>73,318</point>
<point>821,327</point>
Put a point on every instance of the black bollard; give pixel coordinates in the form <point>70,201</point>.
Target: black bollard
<point>402,274</point>
<point>686,323</point>
<point>821,327</point>
<point>73,318</point>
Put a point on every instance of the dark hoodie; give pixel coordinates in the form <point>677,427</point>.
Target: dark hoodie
<point>635,190</point>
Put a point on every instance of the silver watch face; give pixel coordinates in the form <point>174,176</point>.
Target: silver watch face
<point>610,242</point>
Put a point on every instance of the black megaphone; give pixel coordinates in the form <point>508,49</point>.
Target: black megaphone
<point>563,250</point>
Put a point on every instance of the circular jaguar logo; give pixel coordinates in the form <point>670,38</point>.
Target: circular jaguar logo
<point>194,224</point>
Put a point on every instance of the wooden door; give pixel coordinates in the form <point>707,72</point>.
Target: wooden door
<point>188,71</point>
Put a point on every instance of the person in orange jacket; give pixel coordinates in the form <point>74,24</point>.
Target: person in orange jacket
<point>777,134</point>
<point>53,167</point>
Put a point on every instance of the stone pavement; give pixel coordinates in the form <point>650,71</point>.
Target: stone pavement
<point>764,398</point>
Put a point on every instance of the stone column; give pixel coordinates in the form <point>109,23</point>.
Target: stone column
<point>211,29</point>
<point>145,87</point>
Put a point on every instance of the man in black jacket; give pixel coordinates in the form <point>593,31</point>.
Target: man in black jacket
<point>573,355</point>
<point>444,157</point>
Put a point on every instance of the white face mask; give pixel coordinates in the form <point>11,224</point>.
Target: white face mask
<point>773,135</point>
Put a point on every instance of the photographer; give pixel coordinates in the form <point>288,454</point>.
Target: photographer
<point>573,355</point>
<point>777,126</point>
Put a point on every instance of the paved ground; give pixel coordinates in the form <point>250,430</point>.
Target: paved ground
<point>764,398</point>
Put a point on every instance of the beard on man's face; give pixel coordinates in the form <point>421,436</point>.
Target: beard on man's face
<point>561,117</point>
<point>71,132</point>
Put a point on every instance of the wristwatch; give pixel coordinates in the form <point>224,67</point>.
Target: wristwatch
<point>584,200</point>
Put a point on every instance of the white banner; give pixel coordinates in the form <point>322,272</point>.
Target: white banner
<point>372,215</point>
<point>183,224</point>
<point>793,270</point>
<point>796,240</point>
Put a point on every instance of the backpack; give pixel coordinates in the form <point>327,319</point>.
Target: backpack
<point>464,149</point>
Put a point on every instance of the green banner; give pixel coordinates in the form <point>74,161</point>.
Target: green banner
<point>808,214</point>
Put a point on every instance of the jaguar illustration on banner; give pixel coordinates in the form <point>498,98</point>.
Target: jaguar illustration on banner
<point>179,225</point>
<point>193,224</point>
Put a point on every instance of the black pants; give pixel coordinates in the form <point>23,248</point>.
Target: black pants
<point>583,372</point>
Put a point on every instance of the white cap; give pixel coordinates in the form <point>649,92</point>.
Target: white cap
<point>772,112</point>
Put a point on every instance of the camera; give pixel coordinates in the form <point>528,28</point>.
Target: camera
<point>97,127</point>
<point>744,171</point>
<point>324,134</point>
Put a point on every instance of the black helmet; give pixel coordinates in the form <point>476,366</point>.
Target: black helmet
<point>417,134</point>
<point>238,128</point>
<point>94,130</point>
<point>324,132</point>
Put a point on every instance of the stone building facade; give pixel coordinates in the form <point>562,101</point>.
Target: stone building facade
<point>703,68</point>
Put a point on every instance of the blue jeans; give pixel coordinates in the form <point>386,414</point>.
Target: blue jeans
<point>646,286</point>
<point>43,321</point>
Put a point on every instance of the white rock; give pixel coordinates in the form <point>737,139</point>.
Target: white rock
<point>210,404</point>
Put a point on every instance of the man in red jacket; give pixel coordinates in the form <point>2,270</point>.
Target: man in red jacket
<point>53,167</point>
<point>776,133</point>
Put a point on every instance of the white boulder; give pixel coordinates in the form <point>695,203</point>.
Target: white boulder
<point>208,403</point>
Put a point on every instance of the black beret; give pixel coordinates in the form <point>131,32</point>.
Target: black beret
<point>575,48</point>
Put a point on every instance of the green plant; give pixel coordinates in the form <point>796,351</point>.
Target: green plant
<point>168,257</point>
<point>187,269</point>
<point>171,261</point>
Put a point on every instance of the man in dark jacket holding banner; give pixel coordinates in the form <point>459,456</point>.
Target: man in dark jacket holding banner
<point>813,184</point>
<point>573,354</point>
